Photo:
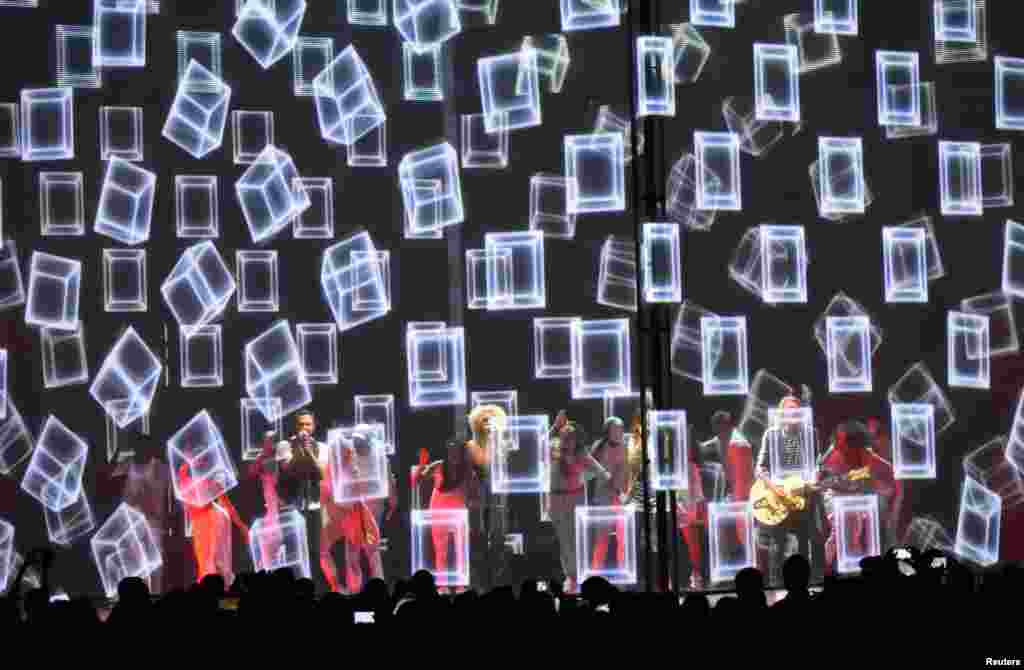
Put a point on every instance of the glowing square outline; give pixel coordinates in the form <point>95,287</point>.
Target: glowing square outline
<point>524,111</point>
<point>922,437</point>
<point>209,183</point>
<point>544,369</point>
<point>929,116</point>
<point>1003,153</point>
<point>72,281</point>
<point>483,158</point>
<point>134,153</point>
<point>848,327</point>
<point>987,555</point>
<point>961,153</point>
<point>421,526</point>
<point>361,17</point>
<point>852,149</point>
<point>1013,247</point>
<point>711,356</point>
<point>365,403</point>
<point>212,41</point>
<point>511,441</point>
<point>212,334</point>
<point>530,243</point>
<point>138,303</point>
<point>359,262</point>
<point>910,62</point>
<point>137,12</point>
<point>12,111</point>
<point>370,150</point>
<point>541,220</point>
<point>339,440</point>
<point>619,329</point>
<point>13,431</point>
<point>93,79</point>
<point>242,154</point>
<point>49,341</point>
<point>662,49</point>
<point>427,93</point>
<point>726,202</point>
<point>847,564</point>
<point>588,15</point>
<point>64,148</point>
<point>311,185</point>
<point>1006,67</point>
<point>997,306</point>
<point>73,180</point>
<point>946,33</point>
<point>10,268</point>
<point>495,268</point>
<point>330,330</point>
<point>447,202</point>
<point>722,15</point>
<point>826,22</point>
<point>581,201</point>
<point>252,444</point>
<point>787,55</point>
<point>619,518</point>
<point>286,530</point>
<point>325,46</point>
<point>791,235</point>
<point>774,442</point>
<point>552,64</point>
<point>678,476</point>
<point>901,292</point>
<point>972,326</point>
<point>452,391</point>
<point>717,513</point>
<point>261,257</point>
<point>671,289</point>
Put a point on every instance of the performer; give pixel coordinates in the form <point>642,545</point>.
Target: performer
<point>852,451</point>
<point>302,462</point>
<point>802,527</point>
<point>489,519</point>
<point>211,530</point>
<point>363,519</point>
<point>733,451</point>
<point>147,488</point>
<point>692,515</point>
<point>456,486</point>
<point>610,452</point>
<point>571,467</point>
<point>265,470</point>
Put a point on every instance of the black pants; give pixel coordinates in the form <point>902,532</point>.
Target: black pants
<point>806,528</point>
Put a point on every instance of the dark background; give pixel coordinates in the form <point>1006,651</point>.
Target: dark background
<point>425,275</point>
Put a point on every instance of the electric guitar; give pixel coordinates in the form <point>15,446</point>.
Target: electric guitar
<point>774,503</point>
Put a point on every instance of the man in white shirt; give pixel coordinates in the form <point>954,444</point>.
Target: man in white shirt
<point>302,464</point>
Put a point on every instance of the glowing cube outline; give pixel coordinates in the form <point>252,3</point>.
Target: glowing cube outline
<point>270,16</point>
<point>846,375</point>
<point>768,57</point>
<point>606,520</point>
<point>132,552</point>
<point>933,255</point>
<point>124,182</point>
<point>209,336</point>
<point>714,330</point>
<point>439,163</point>
<point>430,91</point>
<point>723,519</point>
<point>71,523</point>
<point>830,21</point>
<point>494,152</point>
<point>360,13</point>
<point>378,409</point>
<point>929,116</point>
<point>849,150</point>
<point>544,367</point>
<point>16,441</point>
<point>669,472</point>
<point>115,16</point>
<point>255,425</point>
<point>652,100</point>
<point>802,418</point>
<point>714,13</point>
<point>907,65</point>
<point>131,150</point>
<point>552,59</point>
<point>685,38</point>
<point>960,165</point>
<point>947,30</point>
<point>328,373</point>
<point>985,507</point>
<point>522,437</point>
<point>56,374</point>
<point>1002,193</point>
<point>284,533</point>
<point>199,113</point>
<point>207,226</point>
<point>682,196</point>
<point>1008,71</point>
<point>442,16</point>
<point>245,151</point>
<point>132,277</point>
<point>617,274</point>
<point>488,277</point>
<point>557,226</point>
<point>55,479</point>
<point>10,272</point>
<point>431,391</point>
<point>269,181</point>
<point>588,15</point>
<point>522,108</point>
<point>667,288</point>
<point>848,561</point>
<point>529,288</point>
<point>53,275</point>
<point>999,307</point>
<point>51,186</point>
<point>193,269</point>
<point>583,198</point>
<point>586,334</point>
<point>799,29</point>
<point>728,196</point>
<point>335,110</point>
<point>1013,259</point>
<point>906,390</point>
<point>10,123</point>
<point>422,524</point>
<point>349,485</point>
<point>913,440</point>
<point>905,272</point>
<point>201,490</point>
<point>126,394</point>
<point>972,350</point>
<point>793,241</point>
<point>43,102</point>
<point>370,150</point>
<point>265,380</point>
<point>69,72</point>
<point>349,269</point>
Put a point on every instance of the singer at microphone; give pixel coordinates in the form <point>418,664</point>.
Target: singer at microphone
<point>302,460</point>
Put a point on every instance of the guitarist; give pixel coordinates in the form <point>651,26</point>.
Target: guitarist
<point>852,450</point>
<point>805,525</point>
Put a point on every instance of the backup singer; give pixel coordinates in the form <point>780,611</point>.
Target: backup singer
<point>610,452</point>
<point>571,467</point>
<point>265,470</point>
<point>456,487</point>
<point>361,525</point>
<point>211,529</point>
